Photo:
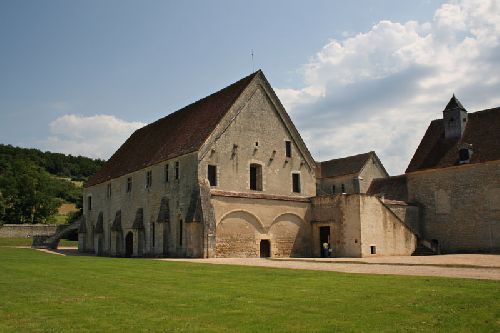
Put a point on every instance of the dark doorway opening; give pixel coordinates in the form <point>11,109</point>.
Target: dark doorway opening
<point>129,245</point>
<point>324,237</point>
<point>265,248</point>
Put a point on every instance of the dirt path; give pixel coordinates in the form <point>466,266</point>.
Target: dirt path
<point>489,268</point>
<point>471,266</point>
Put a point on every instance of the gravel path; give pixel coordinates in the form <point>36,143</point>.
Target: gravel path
<point>471,266</point>
<point>485,267</point>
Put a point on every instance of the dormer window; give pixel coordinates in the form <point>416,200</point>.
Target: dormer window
<point>464,153</point>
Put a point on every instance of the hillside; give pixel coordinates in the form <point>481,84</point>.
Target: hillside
<point>33,184</point>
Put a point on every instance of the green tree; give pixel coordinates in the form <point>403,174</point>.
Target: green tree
<point>24,188</point>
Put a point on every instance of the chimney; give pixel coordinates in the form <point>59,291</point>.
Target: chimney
<point>454,119</point>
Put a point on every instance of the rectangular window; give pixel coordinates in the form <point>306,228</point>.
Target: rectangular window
<point>166,173</point>
<point>288,148</point>
<point>342,187</point>
<point>212,175</point>
<point>180,232</point>
<point>296,182</point>
<point>89,203</point>
<point>373,249</point>
<point>129,184</point>
<point>176,170</point>
<point>149,178</point>
<point>256,177</point>
<point>333,189</point>
<point>108,192</point>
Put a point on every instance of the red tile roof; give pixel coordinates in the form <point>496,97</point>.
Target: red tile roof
<point>482,131</point>
<point>179,133</point>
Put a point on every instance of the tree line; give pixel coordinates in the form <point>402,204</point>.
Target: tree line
<point>31,183</point>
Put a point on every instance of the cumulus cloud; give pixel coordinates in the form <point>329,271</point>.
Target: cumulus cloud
<point>96,136</point>
<point>378,90</point>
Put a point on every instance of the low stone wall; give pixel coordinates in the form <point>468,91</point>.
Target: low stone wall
<point>27,230</point>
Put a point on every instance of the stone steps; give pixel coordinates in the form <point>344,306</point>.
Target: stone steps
<point>422,250</point>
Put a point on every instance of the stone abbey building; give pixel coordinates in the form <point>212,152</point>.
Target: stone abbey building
<point>230,176</point>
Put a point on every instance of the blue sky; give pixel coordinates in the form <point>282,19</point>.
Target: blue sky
<point>80,76</point>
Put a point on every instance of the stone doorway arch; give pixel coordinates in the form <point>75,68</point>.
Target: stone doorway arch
<point>129,244</point>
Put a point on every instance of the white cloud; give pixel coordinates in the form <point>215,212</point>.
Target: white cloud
<point>96,136</point>
<point>379,89</point>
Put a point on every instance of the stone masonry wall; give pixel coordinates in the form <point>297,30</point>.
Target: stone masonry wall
<point>256,134</point>
<point>460,206</point>
<point>358,222</point>
<point>383,230</point>
<point>243,223</point>
<point>181,193</point>
<point>27,230</point>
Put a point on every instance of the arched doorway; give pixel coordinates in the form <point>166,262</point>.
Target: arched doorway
<point>129,244</point>
<point>265,248</point>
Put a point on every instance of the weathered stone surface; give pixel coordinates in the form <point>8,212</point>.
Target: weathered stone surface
<point>459,206</point>
<point>26,230</point>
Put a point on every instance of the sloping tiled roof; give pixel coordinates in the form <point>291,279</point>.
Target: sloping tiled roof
<point>454,103</point>
<point>482,131</point>
<point>179,133</point>
<point>342,166</point>
<point>392,188</point>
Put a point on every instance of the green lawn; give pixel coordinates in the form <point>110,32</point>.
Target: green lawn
<point>41,292</point>
<point>28,241</point>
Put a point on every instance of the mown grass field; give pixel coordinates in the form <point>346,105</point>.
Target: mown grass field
<point>42,292</point>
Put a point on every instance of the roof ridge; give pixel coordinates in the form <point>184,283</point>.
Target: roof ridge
<point>350,156</point>
<point>249,77</point>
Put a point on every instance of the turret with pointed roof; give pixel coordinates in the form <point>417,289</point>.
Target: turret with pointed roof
<point>454,119</point>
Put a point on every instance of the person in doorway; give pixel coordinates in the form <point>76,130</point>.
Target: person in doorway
<point>325,249</point>
<point>329,251</point>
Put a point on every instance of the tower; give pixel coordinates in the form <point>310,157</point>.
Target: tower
<point>454,119</point>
